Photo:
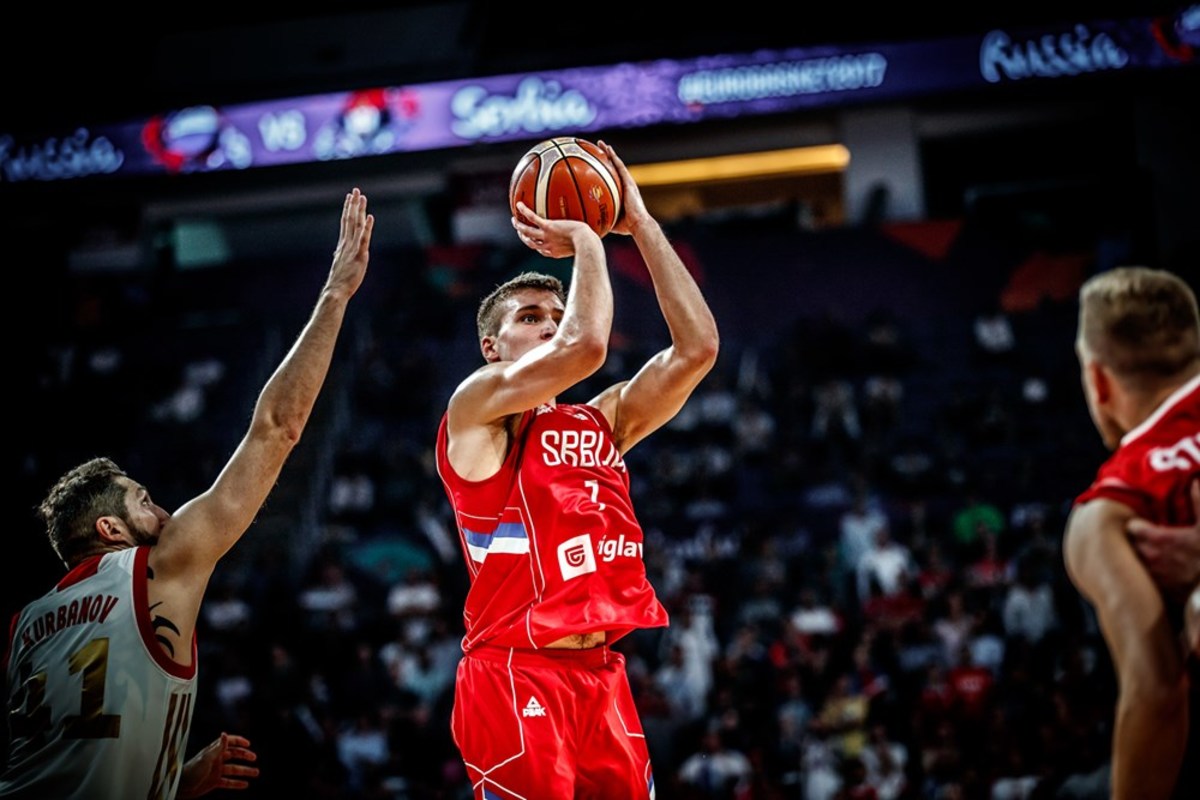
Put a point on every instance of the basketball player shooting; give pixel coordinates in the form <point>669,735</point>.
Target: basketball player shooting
<point>548,531</point>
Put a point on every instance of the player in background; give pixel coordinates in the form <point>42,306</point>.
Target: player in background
<point>1138,346</point>
<point>101,670</point>
<point>541,497</point>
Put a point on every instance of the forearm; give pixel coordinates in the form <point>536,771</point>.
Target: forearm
<point>688,317</point>
<point>287,399</point>
<point>191,776</point>
<point>1148,741</point>
<point>588,313</point>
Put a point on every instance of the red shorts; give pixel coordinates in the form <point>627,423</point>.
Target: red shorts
<point>549,724</point>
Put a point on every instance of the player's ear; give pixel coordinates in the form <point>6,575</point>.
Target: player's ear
<point>1101,381</point>
<point>109,529</point>
<point>487,346</point>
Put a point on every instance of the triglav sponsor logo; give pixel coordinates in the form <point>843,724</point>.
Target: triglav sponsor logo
<point>576,557</point>
<point>609,549</point>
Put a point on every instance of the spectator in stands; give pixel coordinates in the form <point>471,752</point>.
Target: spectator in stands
<point>716,771</point>
<point>886,761</point>
<point>972,686</point>
<point>331,598</point>
<point>975,517</point>
<point>953,624</point>
<point>995,340</point>
<point>1029,611</point>
<point>842,717</point>
<point>836,427</point>
<point>990,570</point>
<point>858,526</point>
<point>887,563</point>
<point>684,688</point>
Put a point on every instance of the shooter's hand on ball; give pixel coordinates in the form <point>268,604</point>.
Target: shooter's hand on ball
<point>633,209</point>
<point>551,238</point>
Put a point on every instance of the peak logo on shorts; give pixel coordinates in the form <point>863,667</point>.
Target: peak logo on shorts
<point>576,556</point>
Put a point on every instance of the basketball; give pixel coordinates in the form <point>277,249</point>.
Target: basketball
<point>568,178</point>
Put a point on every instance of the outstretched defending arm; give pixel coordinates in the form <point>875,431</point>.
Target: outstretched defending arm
<point>206,527</point>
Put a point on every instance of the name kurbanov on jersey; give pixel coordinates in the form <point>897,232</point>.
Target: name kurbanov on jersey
<point>86,609</point>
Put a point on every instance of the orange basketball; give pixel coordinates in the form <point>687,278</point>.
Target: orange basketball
<point>568,178</point>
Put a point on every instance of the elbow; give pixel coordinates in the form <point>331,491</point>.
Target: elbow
<point>710,348</point>
<point>283,430</point>
<point>590,352</point>
<point>701,353</point>
<point>577,357</point>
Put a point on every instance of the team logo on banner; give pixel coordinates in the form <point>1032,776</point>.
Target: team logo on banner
<point>371,122</point>
<point>196,138</point>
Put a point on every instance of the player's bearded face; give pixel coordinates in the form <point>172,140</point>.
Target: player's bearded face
<point>143,532</point>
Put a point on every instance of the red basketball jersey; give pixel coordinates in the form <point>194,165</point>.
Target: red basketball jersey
<point>551,542</point>
<point>1154,465</point>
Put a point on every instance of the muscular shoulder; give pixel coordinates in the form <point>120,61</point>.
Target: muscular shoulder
<point>1095,532</point>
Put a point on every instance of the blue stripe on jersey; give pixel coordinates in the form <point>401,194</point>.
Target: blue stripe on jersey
<point>509,537</point>
<point>488,795</point>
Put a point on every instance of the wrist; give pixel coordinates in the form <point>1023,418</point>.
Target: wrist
<point>642,226</point>
<point>187,781</point>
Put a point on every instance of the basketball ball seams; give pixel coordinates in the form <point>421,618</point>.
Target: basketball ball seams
<point>580,197</point>
<point>567,177</point>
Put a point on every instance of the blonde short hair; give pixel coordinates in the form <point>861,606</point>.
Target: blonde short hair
<point>487,317</point>
<point>1141,323</point>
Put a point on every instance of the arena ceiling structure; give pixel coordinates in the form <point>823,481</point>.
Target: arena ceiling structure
<point>96,64</point>
<point>101,62</point>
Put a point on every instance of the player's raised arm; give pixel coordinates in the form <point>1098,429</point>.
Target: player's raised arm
<point>659,389</point>
<point>538,344</point>
<point>206,527</point>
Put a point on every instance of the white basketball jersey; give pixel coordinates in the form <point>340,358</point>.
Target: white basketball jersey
<point>96,710</point>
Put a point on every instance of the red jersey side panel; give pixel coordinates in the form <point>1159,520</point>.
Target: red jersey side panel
<point>551,541</point>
